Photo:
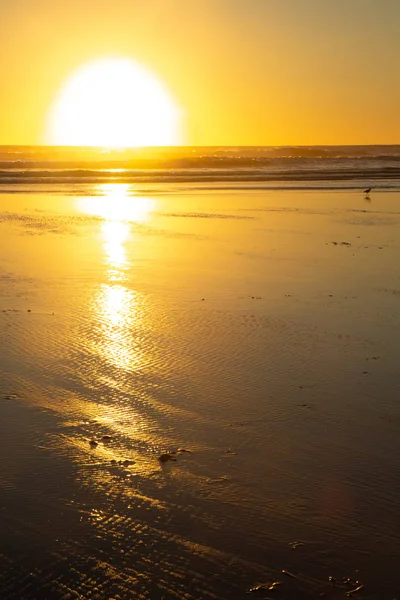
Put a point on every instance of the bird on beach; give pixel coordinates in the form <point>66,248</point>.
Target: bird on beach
<point>367,191</point>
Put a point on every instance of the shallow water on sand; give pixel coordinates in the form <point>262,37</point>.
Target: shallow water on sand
<point>257,330</point>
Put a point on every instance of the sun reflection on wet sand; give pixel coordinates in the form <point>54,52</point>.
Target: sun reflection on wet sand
<point>117,314</point>
<point>118,202</point>
<point>115,234</point>
<point>116,307</point>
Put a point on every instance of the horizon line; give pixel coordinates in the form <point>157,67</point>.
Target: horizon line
<point>138,148</point>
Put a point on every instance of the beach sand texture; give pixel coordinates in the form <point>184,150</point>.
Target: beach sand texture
<point>251,335</point>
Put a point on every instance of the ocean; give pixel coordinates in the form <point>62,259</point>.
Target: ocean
<point>199,375</point>
<point>297,167</point>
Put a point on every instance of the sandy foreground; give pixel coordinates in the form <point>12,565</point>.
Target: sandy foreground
<point>252,336</point>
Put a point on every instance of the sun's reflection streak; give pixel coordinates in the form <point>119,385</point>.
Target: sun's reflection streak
<point>117,353</point>
<point>117,202</point>
<point>115,234</point>
<point>118,310</point>
<point>116,307</point>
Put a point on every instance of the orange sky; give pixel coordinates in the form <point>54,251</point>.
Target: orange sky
<point>245,72</point>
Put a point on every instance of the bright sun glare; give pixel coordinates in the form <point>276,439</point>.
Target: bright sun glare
<point>114,103</point>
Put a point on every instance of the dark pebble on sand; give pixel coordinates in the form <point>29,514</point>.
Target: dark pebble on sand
<point>165,457</point>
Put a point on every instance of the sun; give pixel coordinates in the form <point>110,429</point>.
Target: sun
<point>115,103</point>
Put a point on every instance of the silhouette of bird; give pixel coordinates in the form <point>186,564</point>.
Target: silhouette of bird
<point>367,191</point>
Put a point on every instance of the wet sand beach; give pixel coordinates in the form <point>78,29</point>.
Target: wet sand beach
<point>251,336</point>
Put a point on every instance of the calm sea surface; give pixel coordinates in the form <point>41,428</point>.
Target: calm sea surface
<point>237,310</point>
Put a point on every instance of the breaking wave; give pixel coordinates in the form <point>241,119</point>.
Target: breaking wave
<point>290,165</point>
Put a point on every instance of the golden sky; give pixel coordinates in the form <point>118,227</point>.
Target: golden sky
<point>243,72</point>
